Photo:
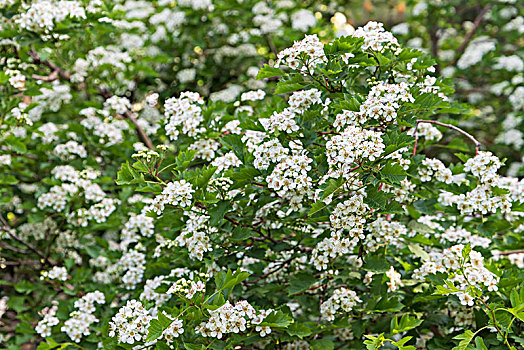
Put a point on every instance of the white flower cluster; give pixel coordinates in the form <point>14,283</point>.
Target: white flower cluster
<point>290,178</point>
<point>304,55</point>
<point>226,161</point>
<point>342,298</point>
<point>137,224</point>
<point>175,193</point>
<point>109,133</point>
<point>45,325</point>
<point>381,104</point>
<point>16,78</point>
<point>194,236</point>
<point>130,324</point>
<point>108,55</point>
<point>234,319</point>
<point>70,150</point>
<point>330,248</point>
<point>268,152</point>
<point>434,168</point>
<point>42,15</point>
<point>253,95</point>
<point>300,101</point>
<point>79,322</point>
<point>174,330</point>
<point>460,235</point>
<point>484,166</point>
<point>464,273</point>
<point>187,287</point>
<point>352,147</point>
<point>303,20</point>
<point>395,279</point>
<point>56,273</point>
<point>184,111</point>
<point>383,231</point>
<point>118,104</point>
<point>428,131</point>
<point>133,262</point>
<point>475,51</point>
<point>5,159</point>
<point>205,148</point>
<point>376,38</point>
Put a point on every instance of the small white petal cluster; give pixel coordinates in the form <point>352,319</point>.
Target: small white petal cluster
<point>205,148</point>
<point>16,78</point>
<point>130,324</point>
<point>103,55</point>
<point>56,273</point>
<point>174,330</point>
<point>228,160</point>
<point>352,147</point>
<point>484,166</point>
<point>381,104</point>
<point>434,168</point>
<point>118,104</point>
<point>79,322</point>
<point>342,298</point>
<point>383,231</point>
<point>253,95</point>
<point>376,38</point>
<point>176,193</point>
<point>138,224</point>
<point>268,152</point>
<point>303,20</point>
<point>428,131</point>
<point>330,248</point>
<point>475,51</point>
<point>197,4</point>
<point>463,272</point>
<point>300,101</point>
<point>194,236</point>
<point>349,215</point>
<point>44,326</point>
<point>109,133</point>
<point>5,159</point>
<point>234,319</point>
<point>184,111</point>
<point>291,175</point>
<point>70,150</point>
<point>395,279</point>
<point>134,263</point>
<point>281,121</point>
<point>310,47</point>
<point>187,287</point>
<point>460,235</point>
<point>43,14</point>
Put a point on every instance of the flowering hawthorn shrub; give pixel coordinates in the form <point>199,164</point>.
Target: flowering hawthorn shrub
<point>308,217</point>
<point>477,44</point>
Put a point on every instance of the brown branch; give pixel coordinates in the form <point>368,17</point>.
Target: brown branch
<point>17,238</point>
<point>469,136</point>
<point>469,35</point>
<point>105,93</point>
<point>511,252</point>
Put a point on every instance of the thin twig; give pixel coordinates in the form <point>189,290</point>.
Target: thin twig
<point>469,35</point>
<point>521,251</point>
<point>102,91</point>
<point>469,136</point>
<point>13,235</point>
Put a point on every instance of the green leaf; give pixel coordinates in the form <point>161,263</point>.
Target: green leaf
<point>322,344</point>
<point>217,212</point>
<point>234,143</point>
<point>16,144</point>
<point>277,319</point>
<point>301,282</point>
<point>285,87</point>
<point>465,338</point>
<point>418,251</point>
<point>241,233</point>
<point>7,179</point>
<point>269,72</point>
<point>157,326</point>
<point>393,172</point>
<point>298,330</point>
<point>375,198</point>
<point>376,264</point>
<point>479,342</point>
<point>406,323</point>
